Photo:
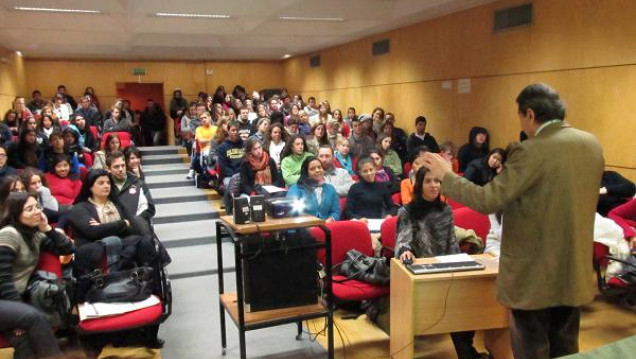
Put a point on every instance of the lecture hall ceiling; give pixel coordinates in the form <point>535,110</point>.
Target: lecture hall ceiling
<point>253,29</point>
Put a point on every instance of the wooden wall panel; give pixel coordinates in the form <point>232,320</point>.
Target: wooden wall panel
<point>586,49</point>
<point>191,77</point>
<point>12,82</point>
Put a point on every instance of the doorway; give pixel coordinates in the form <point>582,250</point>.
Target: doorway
<point>138,94</point>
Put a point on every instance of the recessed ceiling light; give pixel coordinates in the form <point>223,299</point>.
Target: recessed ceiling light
<point>286,56</point>
<point>19,53</point>
<point>44,9</point>
<point>198,16</point>
<point>302,18</point>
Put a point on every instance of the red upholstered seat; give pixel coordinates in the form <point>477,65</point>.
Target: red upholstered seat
<point>397,198</point>
<point>470,219</point>
<point>136,319</point>
<point>615,282</point>
<point>124,138</point>
<point>407,169</point>
<point>4,343</point>
<point>346,235</point>
<point>388,233</point>
<point>454,205</point>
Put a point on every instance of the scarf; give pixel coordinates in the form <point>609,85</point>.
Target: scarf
<point>418,208</point>
<point>263,172</point>
<point>107,213</point>
<point>346,163</point>
<point>382,176</point>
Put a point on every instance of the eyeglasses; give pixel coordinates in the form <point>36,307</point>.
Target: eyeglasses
<point>33,209</point>
<point>3,155</point>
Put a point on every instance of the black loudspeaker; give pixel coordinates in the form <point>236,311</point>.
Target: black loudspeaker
<point>257,206</point>
<point>278,273</point>
<point>241,209</point>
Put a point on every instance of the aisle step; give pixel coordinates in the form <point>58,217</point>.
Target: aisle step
<point>161,150</point>
<point>180,231</point>
<point>164,159</point>
<point>168,181</point>
<point>182,194</point>
<point>173,171</point>
<point>180,212</point>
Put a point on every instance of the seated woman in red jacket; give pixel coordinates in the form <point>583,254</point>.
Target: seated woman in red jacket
<point>64,185</point>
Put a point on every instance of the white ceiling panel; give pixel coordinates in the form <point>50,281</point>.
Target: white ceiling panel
<point>129,29</point>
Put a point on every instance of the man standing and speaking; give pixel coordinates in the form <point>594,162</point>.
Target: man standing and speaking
<point>547,191</point>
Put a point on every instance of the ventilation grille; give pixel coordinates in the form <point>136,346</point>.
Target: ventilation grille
<point>513,17</point>
<point>314,61</point>
<point>381,47</point>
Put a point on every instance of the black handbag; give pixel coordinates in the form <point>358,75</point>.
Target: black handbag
<point>363,268</point>
<point>131,285</point>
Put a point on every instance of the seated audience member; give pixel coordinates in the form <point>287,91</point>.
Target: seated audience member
<point>311,109</point>
<point>292,126</point>
<point>230,152</point>
<point>41,139</point>
<point>37,102</point>
<point>6,137</point>
<point>57,147</point>
<point>72,146</point>
<point>615,190</point>
<point>133,162</point>
<point>339,178</point>
<point>480,171</point>
<point>89,112</point>
<point>21,110</point>
<point>625,216</point>
<point>25,233</point>
<point>112,144</point>
<point>477,147</point>
<point>116,123</point>
<point>203,136</point>
<point>448,150</point>
<point>8,185</point>
<point>377,117</point>
<point>11,120</point>
<point>390,157</point>
<point>258,169</point>
<point>35,181</point>
<point>359,142</point>
<point>398,136</point>
<point>304,126</point>
<point>292,159</point>
<point>343,127</point>
<point>351,114</point>
<point>275,141</point>
<point>369,198</point>
<point>188,126</point>
<point>45,128</point>
<point>333,133</point>
<point>5,169</point>
<point>384,174</point>
<point>24,153</point>
<point>64,184</point>
<point>94,101</point>
<point>406,186</point>
<point>85,139</point>
<point>317,138</point>
<point>343,157</point>
<point>261,129</point>
<point>62,109</point>
<point>425,229</point>
<point>104,227</point>
<point>132,192</point>
<point>493,239</point>
<point>318,197</point>
<point>421,138</point>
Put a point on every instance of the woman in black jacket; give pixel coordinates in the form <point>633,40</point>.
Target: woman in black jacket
<point>369,198</point>
<point>478,146</point>
<point>103,226</point>
<point>483,170</point>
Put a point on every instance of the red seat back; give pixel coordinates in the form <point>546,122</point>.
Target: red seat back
<point>388,233</point>
<point>124,138</point>
<point>470,219</point>
<point>345,235</point>
<point>454,205</point>
<point>407,169</point>
<point>397,198</point>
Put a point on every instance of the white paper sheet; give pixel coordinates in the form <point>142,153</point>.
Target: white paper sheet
<point>374,224</point>
<point>272,189</point>
<point>97,310</point>
<point>463,257</point>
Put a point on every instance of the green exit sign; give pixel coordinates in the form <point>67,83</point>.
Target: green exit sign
<point>139,71</point>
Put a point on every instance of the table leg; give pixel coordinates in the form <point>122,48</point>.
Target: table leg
<point>219,253</point>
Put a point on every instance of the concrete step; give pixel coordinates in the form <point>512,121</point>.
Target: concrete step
<point>156,169</point>
<point>183,231</point>
<point>164,159</point>
<point>168,181</point>
<point>182,194</point>
<point>184,212</point>
<point>161,150</point>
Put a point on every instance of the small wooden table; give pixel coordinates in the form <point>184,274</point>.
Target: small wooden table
<point>445,303</point>
<point>233,303</point>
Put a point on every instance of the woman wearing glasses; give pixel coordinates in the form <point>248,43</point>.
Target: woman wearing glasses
<point>25,233</point>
